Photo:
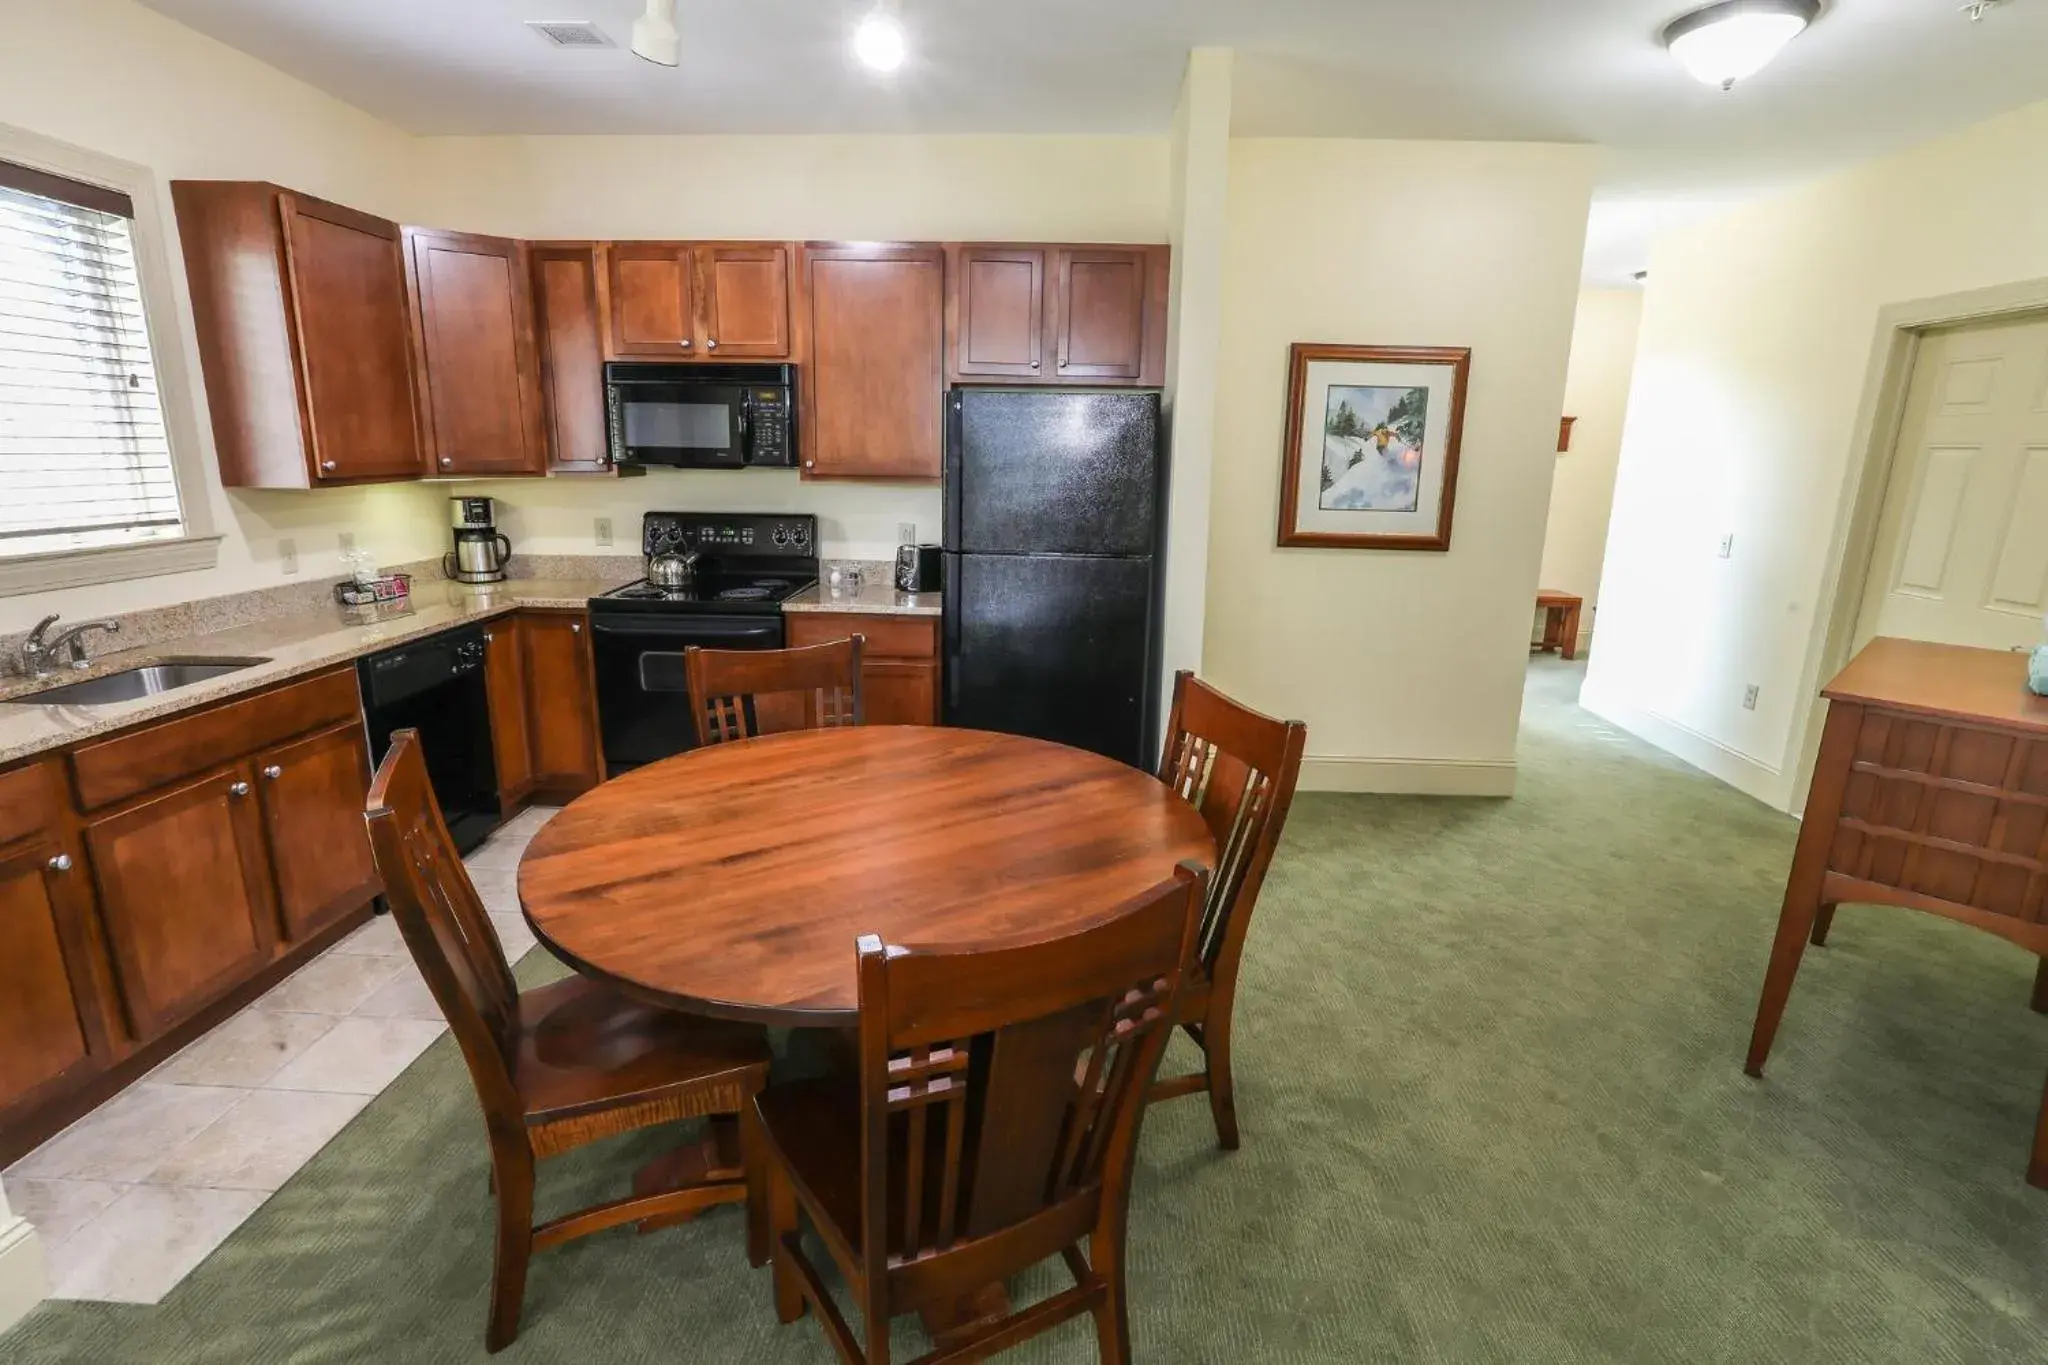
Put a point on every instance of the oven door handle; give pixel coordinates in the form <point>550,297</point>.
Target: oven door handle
<point>703,630</point>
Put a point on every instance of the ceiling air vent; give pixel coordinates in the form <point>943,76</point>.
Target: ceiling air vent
<point>570,32</point>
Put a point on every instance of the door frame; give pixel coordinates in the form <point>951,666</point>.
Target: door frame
<point>1873,446</point>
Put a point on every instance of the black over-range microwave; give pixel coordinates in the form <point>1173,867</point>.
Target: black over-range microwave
<point>701,416</point>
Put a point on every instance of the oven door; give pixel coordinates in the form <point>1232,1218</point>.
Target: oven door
<point>686,424</point>
<point>643,697</point>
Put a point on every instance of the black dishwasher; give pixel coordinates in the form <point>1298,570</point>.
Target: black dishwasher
<point>436,686</point>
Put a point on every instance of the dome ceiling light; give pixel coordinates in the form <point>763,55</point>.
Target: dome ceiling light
<point>1735,39</point>
<point>879,41</point>
<point>655,36</point>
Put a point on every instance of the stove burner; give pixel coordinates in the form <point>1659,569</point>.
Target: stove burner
<point>753,594</point>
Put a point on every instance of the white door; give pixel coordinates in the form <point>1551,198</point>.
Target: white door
<point>1962,544</point>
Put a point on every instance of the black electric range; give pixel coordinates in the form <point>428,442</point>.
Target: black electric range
<point>748,565</point>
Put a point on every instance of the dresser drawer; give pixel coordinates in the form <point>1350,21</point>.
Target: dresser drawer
<point>143,760</point>
<point>888,637</point>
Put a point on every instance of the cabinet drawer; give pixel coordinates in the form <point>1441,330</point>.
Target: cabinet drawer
<point>888,637</point>
<point>26,804</point>
<point>127,765</point>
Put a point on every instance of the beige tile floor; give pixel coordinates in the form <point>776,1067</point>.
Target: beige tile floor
<point>135,1194</point>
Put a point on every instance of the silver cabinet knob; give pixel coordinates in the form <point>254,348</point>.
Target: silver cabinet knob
<point>1034,364</point>
<point>238,789</point>
<point>447,462</point>
<point>273,772</point>
<point>488,637</point>
<point>575,627</point>
<point>327,464</point>
<point>712,343</point>
<point>61,863</point>
<point>810,464</point>
<point>686,343</point>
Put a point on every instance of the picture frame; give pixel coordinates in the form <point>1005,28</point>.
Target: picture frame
<point>1370,455</point>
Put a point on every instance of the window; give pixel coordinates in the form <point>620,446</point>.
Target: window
<point>84,457</point>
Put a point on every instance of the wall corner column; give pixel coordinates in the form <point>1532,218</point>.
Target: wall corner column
<point>24,1272</point>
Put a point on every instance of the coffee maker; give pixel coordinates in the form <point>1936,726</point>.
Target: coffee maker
<point>480,550</point>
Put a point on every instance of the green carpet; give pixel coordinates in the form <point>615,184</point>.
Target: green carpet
<point>1493,1110</point>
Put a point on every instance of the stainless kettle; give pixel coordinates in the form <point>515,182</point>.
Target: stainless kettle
<point>673,571</point>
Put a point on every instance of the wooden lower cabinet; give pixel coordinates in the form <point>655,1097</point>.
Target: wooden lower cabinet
<point>561,701</point>
<point>183,895</point>
<point>899,674</point>
<point>50,1033</point>
<point>505,682</point>
<point>312,800</point>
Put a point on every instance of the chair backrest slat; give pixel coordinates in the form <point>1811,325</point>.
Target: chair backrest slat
<point>444,922</point>
<point>998,1084</point>
<point>740,693</point>
<point>1239,769</point>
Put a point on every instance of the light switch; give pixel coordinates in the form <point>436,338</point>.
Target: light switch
<point>604,530</point>
<point>906,533</point>
<point>288,556</point>
<point>1728,545</point>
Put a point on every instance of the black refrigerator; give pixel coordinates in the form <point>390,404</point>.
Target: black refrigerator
<point>1054,555</point>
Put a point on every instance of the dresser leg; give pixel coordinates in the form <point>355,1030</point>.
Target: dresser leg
<point>1795,922</point>
<point>1823,921</point>
<point>2041,987</point>
<point>2037,1169</point>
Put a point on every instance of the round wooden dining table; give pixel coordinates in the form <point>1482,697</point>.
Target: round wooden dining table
<point>733,880</point>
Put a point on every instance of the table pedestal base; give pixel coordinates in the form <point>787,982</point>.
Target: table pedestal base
<point>949,1324</point>
<point>715,1156</point>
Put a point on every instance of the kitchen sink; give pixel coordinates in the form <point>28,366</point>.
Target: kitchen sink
<point>131,684</point>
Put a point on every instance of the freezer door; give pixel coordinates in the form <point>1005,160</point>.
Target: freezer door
<point>1052,472</point>
<point>1052,648</point>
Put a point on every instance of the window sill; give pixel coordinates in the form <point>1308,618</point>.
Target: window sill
<point>106,564</point>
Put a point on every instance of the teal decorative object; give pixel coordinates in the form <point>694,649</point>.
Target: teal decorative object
<point>2037,671</point>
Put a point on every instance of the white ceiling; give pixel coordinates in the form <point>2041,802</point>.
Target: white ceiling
<point>1870,76</point>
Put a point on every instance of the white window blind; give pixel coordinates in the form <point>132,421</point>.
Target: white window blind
<point>84,460</point>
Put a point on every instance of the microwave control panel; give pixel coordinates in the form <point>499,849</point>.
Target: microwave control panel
<point>768,427</point>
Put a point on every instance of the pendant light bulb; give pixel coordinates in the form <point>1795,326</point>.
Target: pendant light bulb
<point>880,41</point>
<point>655,36</point>
<point>1733,40</point>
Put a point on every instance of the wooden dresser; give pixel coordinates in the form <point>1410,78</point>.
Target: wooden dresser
<point>1930,792</point>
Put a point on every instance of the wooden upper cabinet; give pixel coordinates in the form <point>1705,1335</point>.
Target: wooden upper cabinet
<point>875,378</point>
<point>997,310</point>
<point>183,894</point>
<point>1099,311</point>
<point>570,287</point>
<point>743,300</point>
<point>312,795</point>
<point>303,325</point>
<point>473,330</point>
<point>653,311</point>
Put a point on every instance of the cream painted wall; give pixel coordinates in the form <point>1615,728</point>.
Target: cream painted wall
<point>1407,666</point>
<point>185,106</point>
<point>1750,375</point>
<point>1582,490</point>
<point>909,188</point>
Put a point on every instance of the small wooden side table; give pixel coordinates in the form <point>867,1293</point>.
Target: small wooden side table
<point>1931,793</point>
<point>1560,621</point>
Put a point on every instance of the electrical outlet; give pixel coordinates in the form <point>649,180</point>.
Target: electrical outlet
<point>1749,697</point>
<point>348,543</point>
<point>603,526</point>
<point>288,555</point>
<point>906,533</point>
<point>1728,545</point>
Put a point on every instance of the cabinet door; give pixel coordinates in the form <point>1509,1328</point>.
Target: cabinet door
<point>651,305</point>
<point>899,692</point>
<point>569,320</point>
<point>479,378</point>
<point>505,681</point>
<point>999,312</point>
<point>1098,312</point>
<point>351,334</point>
<point>874,385</point>
<point>561,707</point>
<point>181,883</point>
<point>48,1029</point>
<point>312,799</point>
<point>743,300</point>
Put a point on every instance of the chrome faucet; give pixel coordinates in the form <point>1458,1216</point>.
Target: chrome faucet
<point>38,649</point>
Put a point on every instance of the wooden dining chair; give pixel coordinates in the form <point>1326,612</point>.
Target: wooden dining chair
<point>561,1065</point>
<point>991,1124</point>
<point>1239,769</point>
<point>741,693</point>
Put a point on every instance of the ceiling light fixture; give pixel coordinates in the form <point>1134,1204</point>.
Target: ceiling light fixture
<point>1735,39</point>
<point>655,36</point>
<point>879,41</point>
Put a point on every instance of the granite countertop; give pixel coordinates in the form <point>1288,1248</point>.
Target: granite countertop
<point>877,598</point>
<point>292,645</point>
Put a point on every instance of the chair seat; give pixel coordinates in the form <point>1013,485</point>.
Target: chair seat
<point>585,1048</point>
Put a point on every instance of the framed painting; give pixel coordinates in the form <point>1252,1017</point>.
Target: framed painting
<point>1371,454</point>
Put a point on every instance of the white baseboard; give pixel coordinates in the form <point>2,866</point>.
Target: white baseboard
<point>24,1274</point>
<point>1745,772</point>
<point>1409,776</point>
